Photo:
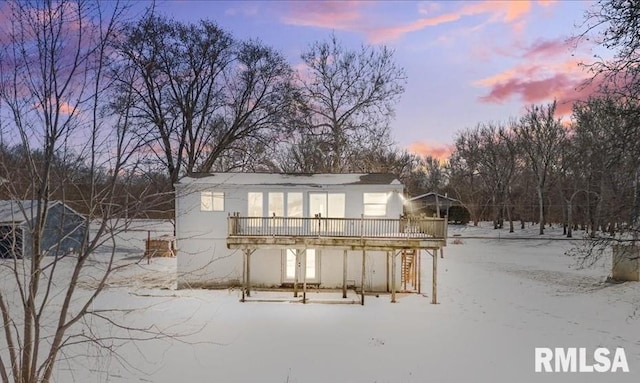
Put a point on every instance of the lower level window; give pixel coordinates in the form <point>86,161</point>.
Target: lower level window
<point>290,265</point>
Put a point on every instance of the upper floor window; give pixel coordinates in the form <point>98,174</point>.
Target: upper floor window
<point>375,204</point>
<point>327,205</point>
<point>211,201</point>
<point>255,203</point>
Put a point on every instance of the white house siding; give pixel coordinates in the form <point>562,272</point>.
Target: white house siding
<point>205,261</point>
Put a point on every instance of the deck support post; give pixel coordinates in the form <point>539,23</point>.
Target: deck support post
<point>296,273</point>
<point>364,258</point>
<point>387,269</point>
<point>404,270</point>
<point>393,277</point>
<point>418,266</point>
<point>248,252</point>
<point>244,274</point>
<point>434,287</point>
<point>344,274</point>
<point>246,283</point>
<point>415,268</point>
<point>304,277</point>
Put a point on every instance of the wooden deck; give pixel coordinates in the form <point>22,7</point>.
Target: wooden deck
<point>385,234</point>
<point>404,236</point>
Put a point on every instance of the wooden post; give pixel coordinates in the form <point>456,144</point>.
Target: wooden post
<point>148,248</point>
<point>414,273</point>
<point>296,271</point>
<point>404,270</point>
<point>249,272</point>
<point>418,259</point>
<point>434,287</point>
<point>387,269</point>
<point>304,277</point>
<point>244,273</point>
<point>364,257</point>
<point>344,275</point>
<point>393,277</point>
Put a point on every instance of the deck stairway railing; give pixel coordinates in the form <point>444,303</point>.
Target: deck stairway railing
<point>318,226</point>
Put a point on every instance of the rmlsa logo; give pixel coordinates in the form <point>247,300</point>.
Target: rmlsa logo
<point>573,359</point>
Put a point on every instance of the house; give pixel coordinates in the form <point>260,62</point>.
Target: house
<point>289,230</point>
<point>437,205</point>
<point>63,232</point>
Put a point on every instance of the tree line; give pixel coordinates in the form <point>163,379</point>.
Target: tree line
<point>581,173</point>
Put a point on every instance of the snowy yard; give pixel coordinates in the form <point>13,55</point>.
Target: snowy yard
<point>498,300</point>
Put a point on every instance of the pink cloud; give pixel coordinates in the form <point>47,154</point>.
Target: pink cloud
<point>507,12</point>
<point>395,32</point>
<point>423,148</point>
<point>531,81</point>
<point>529,90</point>
<point>565,87</point>
<point>349,15</point>
<point>547,48</point>
<point>325,14</point>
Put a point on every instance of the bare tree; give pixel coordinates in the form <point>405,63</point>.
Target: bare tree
<point>200,92</point>
<point>54,84</point>
<point>492,149</point>
<point>540,136</point>
<point>614,25</point>
<point>464,180</point>
<point>347,99</point>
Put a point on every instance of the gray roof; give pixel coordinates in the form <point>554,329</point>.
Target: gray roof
<point>20,211</point>
<point>290,179</point>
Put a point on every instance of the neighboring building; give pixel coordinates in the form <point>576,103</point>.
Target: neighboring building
<point>261,229</point>
<point>437,205</point>
<point>64,228</point>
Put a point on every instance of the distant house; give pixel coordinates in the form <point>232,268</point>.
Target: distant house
<point>437,205</point>
<point>64,228</point>
<point>275,230</point>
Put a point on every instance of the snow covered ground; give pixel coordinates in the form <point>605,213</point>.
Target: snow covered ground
<point>498,300</point>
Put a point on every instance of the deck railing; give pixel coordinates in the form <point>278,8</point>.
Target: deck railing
<point>404,227</point>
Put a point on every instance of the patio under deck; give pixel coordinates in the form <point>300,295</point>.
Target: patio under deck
<point>405,236</point>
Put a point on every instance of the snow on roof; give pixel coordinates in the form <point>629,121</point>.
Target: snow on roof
<point>290,179</point>
<point>21,211</point>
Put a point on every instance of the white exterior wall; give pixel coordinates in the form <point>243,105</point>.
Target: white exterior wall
<point>204,260</point>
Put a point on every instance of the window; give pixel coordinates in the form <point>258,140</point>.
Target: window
<point>276,204</point>
<point>375,204</point>
<point>290,265</point>
<point>254,209</point>
<point>294,205</point>
<point>328,205</point>
<point>211,201</point>
<point>294,208</point>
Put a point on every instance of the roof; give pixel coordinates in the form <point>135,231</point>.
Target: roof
<point>20,211</point>
<point>288,179</point>
<point>431,197</point>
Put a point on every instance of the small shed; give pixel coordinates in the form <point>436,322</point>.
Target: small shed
<point>63,232</point>
<point>434,204</point>
<point>626,262</point>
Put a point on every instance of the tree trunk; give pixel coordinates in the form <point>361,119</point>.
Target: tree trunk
<point>569,219</point>
<point>541,205</point>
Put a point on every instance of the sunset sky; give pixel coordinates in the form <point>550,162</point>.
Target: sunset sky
<point>466,62</point>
